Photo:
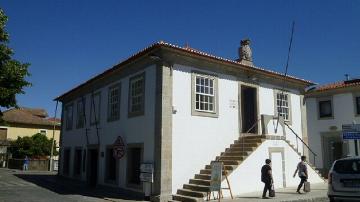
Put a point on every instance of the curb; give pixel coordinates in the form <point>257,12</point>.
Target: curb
<point>315,199</point>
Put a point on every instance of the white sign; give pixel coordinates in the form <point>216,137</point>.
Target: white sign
<point>216,175</point>
<point>146,168</point>
<point>146,177</point>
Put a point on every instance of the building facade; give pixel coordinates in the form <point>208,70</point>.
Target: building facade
<point>21,122</point>
<point>329,107</point>
<point>179,109</point>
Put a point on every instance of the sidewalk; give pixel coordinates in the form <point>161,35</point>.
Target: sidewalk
<point>318,193</point>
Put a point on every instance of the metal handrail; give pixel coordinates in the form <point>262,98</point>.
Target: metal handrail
<point>307,146</point>
<point>243,138</point>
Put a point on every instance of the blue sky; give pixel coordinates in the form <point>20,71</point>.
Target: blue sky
<point>69,41</point>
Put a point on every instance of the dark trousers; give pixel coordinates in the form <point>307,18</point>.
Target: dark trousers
<point>267,187</point>
<point>303,180</point>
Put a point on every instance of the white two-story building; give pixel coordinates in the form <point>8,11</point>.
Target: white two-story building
<point>329,107</point>
<point>178,109</point>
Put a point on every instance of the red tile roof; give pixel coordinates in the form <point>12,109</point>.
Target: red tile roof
<point>28,116</point>
<point>336,85</point>
<point>189,50</point>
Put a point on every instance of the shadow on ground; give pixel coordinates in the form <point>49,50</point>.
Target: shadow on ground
<point>64,186</point>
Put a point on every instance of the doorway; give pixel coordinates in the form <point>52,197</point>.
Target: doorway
<point>332,148</point>
<point>248,109</point>
<point>92,171</point>
<point>277,164</point>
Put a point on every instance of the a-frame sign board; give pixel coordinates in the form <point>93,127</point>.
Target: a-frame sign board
<point>217,168</point>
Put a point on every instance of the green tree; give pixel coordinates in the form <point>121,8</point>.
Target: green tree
<point>36,146</point>
<point>12,72</point>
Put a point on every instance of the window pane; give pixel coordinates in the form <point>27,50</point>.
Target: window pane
<point>325,108</point>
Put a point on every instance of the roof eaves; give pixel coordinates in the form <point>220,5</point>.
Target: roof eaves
<point>188,50</point>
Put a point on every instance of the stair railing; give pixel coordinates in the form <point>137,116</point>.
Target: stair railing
<point>243,138</point>
<point>303,143</point>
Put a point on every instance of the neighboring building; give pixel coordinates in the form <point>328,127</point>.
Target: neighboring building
<point>20,122</point>
<point>328,108</point>
<point>178,109</point>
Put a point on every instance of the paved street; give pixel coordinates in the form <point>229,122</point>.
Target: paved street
<point>31,186</point>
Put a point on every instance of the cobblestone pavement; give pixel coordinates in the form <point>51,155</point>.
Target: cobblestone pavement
<point>29,186</point>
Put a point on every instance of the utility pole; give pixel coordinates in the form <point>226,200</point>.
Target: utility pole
<point>53,138</point>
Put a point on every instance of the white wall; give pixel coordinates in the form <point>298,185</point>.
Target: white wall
<point>138,129</point>
<point>343,112</point>
<point>198,140</point>
<point>247,177</point>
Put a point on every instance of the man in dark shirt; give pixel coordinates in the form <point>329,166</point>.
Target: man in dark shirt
<point>266,177</point>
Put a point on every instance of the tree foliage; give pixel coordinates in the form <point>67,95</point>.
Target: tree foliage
<point>12,72</point>
<point>36,146</point>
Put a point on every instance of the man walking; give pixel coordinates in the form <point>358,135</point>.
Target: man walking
<point>302,172</point>
<point>266,177</point>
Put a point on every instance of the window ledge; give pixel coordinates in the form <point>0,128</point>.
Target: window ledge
<point>205,114</point>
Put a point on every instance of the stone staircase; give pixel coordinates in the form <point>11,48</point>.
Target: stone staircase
<point>232,157</point>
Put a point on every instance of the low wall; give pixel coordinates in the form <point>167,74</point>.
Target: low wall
<point>42,165</point>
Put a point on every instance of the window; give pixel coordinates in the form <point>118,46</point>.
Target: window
<point>95,108</point>
<point>114,103</point>
<point>77,162</point>
<point>110,165</point>
<point>137,95</point>
<point>325,109</point>
<point>69,117</point>
<point>357,105</point>
<point>204,95</point>
<point>42,131</point>
<point>80,113</point>
<point>283,105</point>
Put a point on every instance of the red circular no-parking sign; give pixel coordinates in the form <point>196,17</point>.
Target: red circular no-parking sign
<point>119,148</point>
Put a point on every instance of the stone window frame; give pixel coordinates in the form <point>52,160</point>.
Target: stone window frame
<point>80,103</point>
<point>132,80</point>
<point>110,115</point>
<point>92,104</point>
<point>321,99</point>
<point>288,94</point>
<point>69,119</point>
<point>356,97</point>
<point>106,179</point>
<point>194,111</point>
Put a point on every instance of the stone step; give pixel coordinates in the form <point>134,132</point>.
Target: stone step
<point>227,167</point>
<point>200,182</point>
<point>230,162</point>
<point>240,149</point>
<point>250,140</point>
<point>203,176</point>
<point>238,143</point>
<point>195,187</point>
<point>236,153</point>
<point>208,171</point>
<point>188,192</point>
<point>234,158</point>
<point>186,198</point>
